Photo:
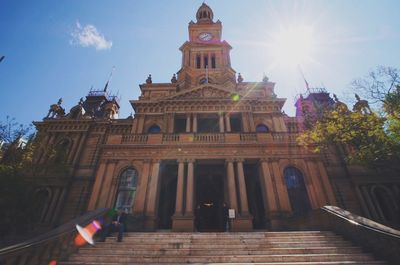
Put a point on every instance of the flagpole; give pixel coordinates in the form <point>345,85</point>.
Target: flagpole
<point>305,81</point>
<point>109,79</point>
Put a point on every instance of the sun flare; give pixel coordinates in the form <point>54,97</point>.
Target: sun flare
<point>293,46</point>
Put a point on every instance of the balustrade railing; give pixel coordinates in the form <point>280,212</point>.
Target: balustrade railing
<point>170,138</point>
<point>174,138</point>
<point>248,137</point>
<point>209,137</point>
<point>56,244</point>
<point>134,138</point>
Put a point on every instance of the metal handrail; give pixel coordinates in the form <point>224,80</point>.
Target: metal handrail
<point>39,244</point>
<point>382,240</point>
<point>361,221</point>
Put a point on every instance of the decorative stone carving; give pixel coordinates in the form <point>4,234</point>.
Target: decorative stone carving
<point>149,80</point>
<point>361,106</point>
<point>56,111</point>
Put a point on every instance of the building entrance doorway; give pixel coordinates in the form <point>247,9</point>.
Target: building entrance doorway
<point>167,195</point>
<point>209,213</point>
<point>255,196</point>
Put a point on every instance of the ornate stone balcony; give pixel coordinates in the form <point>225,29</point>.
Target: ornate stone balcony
<point>206,138</point>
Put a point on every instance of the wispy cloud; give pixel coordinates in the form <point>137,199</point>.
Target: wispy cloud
<point>89,36</point>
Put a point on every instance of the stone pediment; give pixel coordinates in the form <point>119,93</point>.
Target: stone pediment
<point>203,92</point>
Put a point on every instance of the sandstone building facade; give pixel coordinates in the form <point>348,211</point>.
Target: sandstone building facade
<point>205,139</point>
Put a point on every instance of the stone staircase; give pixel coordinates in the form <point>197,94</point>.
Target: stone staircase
<point>297,248</point>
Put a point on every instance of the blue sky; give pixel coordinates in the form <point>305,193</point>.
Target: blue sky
<point>44,59</point>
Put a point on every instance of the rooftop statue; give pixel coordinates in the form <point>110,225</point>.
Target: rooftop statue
<point>56,110</point>
<point>148,80</point>
<point>77,111</point>
<point>338,104</point>
<point>361,106</point>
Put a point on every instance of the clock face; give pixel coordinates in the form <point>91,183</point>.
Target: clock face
<point>205,36</point>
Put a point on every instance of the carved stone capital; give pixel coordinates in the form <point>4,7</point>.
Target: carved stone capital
<point>273,159</point>
<point>240,160</point>
<point>181,160</point>
<point>190,160</point>
<point>229,160</point>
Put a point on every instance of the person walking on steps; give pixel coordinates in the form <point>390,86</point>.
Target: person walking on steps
<point>117,224</point>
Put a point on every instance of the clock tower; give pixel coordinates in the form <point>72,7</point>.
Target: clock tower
<point>205,57</point>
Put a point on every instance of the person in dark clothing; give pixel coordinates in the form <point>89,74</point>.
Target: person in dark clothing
<point>117,223</point>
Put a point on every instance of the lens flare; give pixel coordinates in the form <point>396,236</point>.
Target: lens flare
<point>85,235</point>
<point>235,97</point>
<point>293,45</point>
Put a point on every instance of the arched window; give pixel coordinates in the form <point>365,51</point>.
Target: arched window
<point>61,151</point>
<point>154,129</point>
<point>198,61</point>
<point>386,204</point>
<point>297,191</point>
<point>205,61</point>
<point>40,203</point>
<point>262,128</point>
<point>213,62</point>
<point>127,189</point>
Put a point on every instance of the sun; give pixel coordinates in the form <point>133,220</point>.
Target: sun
<point>293,46</point>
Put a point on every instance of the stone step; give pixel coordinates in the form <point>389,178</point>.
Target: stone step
<point>279,248</point>
<point>230,234</point>
<point>372,262</point>
<point>219,259</point>
<point>194,238</point>
<point>202,251</point>
<point>211,245</point>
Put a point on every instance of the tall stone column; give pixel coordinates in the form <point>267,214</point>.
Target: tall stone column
<point>241,222</point>
<point>194,122</point>
<point>278,219</point>
<point>221,122</point>
<point>228,122</point>
<point>244,205</point>
<point>152,196</point>
<point>50,211</point>
<point>184,222</point>
<point>140,198</point>
<point>268,188</point>
<point>284,203</point>
<point>187,123</point>
<point>79,148</point>
<point>140,123</point>
<point>105,193</point>
<point>190,188</point>
<point>326,183</point>
<point>179,189</point>
<point>97,186</point>
<point>231,185</point>
<point>245,122</point>
<point>134,124</point>
<point>171,123</point>
<point>315,191</point>
<point>251,122</point>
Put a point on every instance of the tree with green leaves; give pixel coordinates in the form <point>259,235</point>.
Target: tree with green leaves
<point>379,86</point>
<point>18,205</point>
<point>371,138</point>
